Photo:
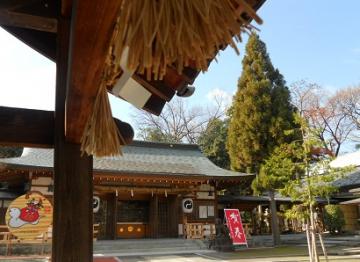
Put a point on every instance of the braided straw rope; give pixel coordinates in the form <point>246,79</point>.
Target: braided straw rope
<point>182,32</point>
<point>160,33</point>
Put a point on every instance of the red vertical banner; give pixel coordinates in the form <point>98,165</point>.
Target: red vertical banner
<point>233,221</point>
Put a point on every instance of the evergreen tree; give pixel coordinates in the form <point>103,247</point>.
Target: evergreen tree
<point>309,175</point>
<point>212,142</point>
<point>260,115</point>
<point>261,110</point>
<point>153,134</point>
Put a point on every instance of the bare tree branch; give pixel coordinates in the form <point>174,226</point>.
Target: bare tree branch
<point>325,114</point>
<point>178,122</point>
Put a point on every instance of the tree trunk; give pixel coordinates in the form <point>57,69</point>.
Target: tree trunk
<point>309,241</point>
<point>274,219</point>
<point>313,235</point>
<point>323,247</point>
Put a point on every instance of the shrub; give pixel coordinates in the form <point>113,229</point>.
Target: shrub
<point>333,218</point>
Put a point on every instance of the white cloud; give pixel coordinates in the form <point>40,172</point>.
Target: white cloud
<point>217,95</point>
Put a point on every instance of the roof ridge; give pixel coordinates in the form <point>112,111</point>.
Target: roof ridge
<point>142,143</point>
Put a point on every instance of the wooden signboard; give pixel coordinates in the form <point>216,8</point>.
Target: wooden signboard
<point>29,216</point>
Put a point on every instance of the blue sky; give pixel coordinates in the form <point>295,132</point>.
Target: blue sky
<point>306,39</point>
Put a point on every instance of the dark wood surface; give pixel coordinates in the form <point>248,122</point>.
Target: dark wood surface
<point>91,34</point>
<point>154,105</point>
<point>153,216</point>
<point>111,213</point>
<point>73,183</point>
<point>22,20</point>
<point>158,88</point>
<point>173,207</point>
<point>26,127</point>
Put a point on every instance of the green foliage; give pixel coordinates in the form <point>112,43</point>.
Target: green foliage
<point>155,135</point>
<point>298,211</point>
<point>294,170</point>
<point>278,169</point>
<point>261,110</point>
<point>6,152</point>
<point>334,218</point>
<point>212,142</point>
<point>314,176</point>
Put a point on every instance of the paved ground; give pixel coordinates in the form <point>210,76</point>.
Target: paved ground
<point>279,254</point>
<point>341,248</point>
<point>220,258</point>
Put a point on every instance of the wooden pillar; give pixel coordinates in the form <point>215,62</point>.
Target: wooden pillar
<point>216,203</point>
<point>173,216</point>
<point>111,217</point>
<point>154,216</point>
<point>73,185</point>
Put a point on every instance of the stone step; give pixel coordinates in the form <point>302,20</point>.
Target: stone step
<point>148,245</point>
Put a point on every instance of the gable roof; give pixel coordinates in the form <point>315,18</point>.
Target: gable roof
<point>138,158</point>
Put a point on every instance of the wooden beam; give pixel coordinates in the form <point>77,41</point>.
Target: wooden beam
<point>158,88</point>
<point>26,127</point>
<point>33,22</point>
<point>188,75</point>
<point>73,187</point>
<point>91,34</point>
<point>66,7</point>
<point>14,4</point>
<point>154,105</point>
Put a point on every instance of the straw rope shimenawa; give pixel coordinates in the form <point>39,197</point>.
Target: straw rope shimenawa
<point>160,33</point>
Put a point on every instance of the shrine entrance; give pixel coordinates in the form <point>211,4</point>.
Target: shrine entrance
<point>132,218</point>
<point>163,218</point>
<point>138,216</point>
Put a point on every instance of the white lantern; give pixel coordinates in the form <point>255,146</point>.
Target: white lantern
<point>96,204</point>
<point>187,205</point>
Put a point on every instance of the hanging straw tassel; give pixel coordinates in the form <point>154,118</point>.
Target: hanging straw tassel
<point>101,136</point>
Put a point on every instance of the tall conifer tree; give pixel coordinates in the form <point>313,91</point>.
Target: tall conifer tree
<point>260,115</point>
<point>261,110</point>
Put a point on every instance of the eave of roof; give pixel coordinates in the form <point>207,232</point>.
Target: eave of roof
<point>350,181</point>
<point>139,158</point>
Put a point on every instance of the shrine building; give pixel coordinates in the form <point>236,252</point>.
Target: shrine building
<point>155,190</point>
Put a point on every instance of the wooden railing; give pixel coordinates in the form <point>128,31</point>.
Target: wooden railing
<point>199,230</point>
<point>9,240</point>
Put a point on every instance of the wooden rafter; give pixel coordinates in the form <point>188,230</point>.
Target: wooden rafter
<point>39,23</point>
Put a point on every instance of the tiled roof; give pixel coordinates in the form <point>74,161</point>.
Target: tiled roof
<point>139,158</point>
<point>350,180</point>
<point>263,199</point>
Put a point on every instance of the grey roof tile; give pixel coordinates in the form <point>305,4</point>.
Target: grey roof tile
<point>139,157</point>
<point>350,180</point>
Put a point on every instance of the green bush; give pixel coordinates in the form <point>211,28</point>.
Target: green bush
<point>333,219</point>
